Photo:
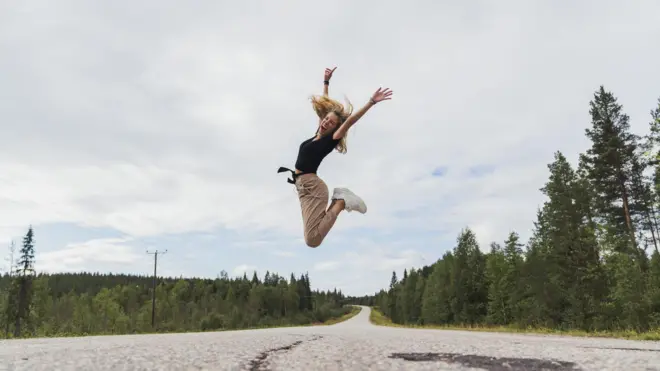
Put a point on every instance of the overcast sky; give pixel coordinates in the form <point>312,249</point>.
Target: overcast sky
<point>129,126</point>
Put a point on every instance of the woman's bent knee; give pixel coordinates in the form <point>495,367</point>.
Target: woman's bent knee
<point>313,242</point>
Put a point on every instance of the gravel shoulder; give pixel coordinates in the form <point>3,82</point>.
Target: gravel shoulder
<point>355,344</point>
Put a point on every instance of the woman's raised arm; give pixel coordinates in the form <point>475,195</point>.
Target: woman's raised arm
<point>379,96</point>
<point>326,80</point>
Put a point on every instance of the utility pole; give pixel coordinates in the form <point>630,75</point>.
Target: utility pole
<point>153,297</point>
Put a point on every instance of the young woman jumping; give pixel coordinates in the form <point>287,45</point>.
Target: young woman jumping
<point>334,122</point>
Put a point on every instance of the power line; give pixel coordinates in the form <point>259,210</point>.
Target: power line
<point>153,297</point>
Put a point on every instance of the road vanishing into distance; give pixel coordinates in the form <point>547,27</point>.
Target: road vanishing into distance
<point>355,344</point>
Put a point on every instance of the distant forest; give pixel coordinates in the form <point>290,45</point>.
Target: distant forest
<point>592,263</point>
<point>34,304</point>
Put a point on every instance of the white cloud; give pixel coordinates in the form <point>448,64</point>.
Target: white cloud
<point>368,267</point>
<point>284,253</point>
<point>327,266</point>
<point>378,258</point>
<point>83,256</point>
<point>169,125</point>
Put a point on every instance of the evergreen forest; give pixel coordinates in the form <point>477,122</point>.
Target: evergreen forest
<point>34,304</point>
<point>591,263</point>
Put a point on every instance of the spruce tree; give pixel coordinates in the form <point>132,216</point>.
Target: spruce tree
<point>438,293</point>
<point>573,257</point>
<point>23,282</point>
<point>409,297</point>
<point>470,292</point>
<point>418,298</point>
<point>498,294</point>
<point>391,298</point>
<point>513,267</point>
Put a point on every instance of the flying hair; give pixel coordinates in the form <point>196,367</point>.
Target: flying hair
<point>323,105</point>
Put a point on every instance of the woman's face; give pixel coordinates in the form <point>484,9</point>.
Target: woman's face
<point>328,123</point>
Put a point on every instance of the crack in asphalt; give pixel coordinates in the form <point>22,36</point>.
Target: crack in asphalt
<point>259,363</point>
<point>488,363</point>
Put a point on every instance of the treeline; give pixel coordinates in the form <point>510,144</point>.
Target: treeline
<point>34,304</point>
<point>592,262</point>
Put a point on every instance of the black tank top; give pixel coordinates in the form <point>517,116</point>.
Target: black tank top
<point>312,152</point>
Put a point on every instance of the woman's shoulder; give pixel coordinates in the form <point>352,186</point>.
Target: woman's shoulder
<point>331,138</point>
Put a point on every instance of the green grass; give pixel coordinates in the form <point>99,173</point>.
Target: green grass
<point>378,318</point>
<point>354,311</point>
<point>331,321</point>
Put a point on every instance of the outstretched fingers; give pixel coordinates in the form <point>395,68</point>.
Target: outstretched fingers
<point>382,94</point>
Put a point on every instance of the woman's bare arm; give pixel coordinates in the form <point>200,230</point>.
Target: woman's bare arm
<point>326,80</point>
<point>378,96</point>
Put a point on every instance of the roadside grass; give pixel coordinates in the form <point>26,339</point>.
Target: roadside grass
<point>378,318</point>
<point>331,321</point>
<point>354,311</point>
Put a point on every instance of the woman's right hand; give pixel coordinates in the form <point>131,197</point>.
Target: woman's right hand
<point>381,95</point>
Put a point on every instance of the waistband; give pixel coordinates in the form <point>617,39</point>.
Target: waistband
<point>291,180</point>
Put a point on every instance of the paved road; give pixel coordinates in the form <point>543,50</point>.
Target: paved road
<point>351,345</point>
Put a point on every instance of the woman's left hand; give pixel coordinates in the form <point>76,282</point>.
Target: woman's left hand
<point>328,74</point>
<point>381,95</point>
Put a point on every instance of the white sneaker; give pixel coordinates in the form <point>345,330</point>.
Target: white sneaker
<point>351,200</point>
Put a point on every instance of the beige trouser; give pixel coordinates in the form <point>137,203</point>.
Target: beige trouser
<point>313,195</point>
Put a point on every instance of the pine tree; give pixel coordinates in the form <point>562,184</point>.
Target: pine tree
<point>409,314</point>
<point>308,293</point>
<point>498,294</point>
<point>540,291</point>
<point>438,293</point>
<point>393,280</point>
<point>391,298</point>
<point>468,277</point>
<point>255,279</point>
<point>514,261</point>
<point>651,146</point>
<point>574,265</point>
<point>609,164</point>
<point>24,276</point>
<point>418,298</point>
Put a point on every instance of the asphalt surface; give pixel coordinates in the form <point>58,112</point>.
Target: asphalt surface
<point>351,345</point>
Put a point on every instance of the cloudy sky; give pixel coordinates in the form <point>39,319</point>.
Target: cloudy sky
<point>135,126</point>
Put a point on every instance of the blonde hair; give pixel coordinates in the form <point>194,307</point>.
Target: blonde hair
<point>323,105</point>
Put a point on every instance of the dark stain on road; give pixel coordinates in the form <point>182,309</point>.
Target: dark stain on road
<point>259,362</point>
<point>488,363</point>
<point>631,349</point>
